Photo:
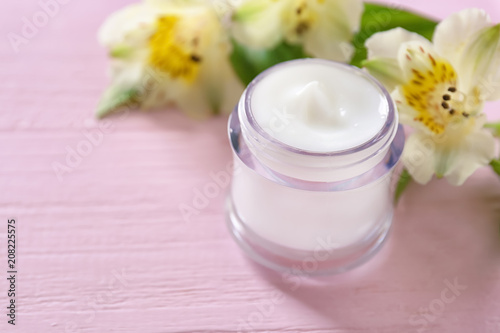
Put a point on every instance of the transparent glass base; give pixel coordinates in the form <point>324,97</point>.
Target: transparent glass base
<point>324,260</point>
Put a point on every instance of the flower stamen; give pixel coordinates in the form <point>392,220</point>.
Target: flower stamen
<point>301,28</point>
<point>302,20</point>
<point>430,92</point>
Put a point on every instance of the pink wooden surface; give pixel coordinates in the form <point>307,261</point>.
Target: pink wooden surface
<point>106,250</point>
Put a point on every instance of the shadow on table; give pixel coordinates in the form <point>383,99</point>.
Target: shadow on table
<point>443,254</point>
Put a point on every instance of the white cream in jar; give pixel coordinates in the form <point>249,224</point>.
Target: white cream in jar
<point>319,108</point>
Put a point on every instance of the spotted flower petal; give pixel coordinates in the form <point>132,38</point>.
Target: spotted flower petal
<point>388,43</point>
<point>383,50</point>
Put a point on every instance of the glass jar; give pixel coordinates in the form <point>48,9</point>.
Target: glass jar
<point>314,213</point>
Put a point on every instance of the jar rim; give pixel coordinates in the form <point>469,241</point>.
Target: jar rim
<point>242,153</point>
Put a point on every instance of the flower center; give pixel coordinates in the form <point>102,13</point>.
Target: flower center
<point>302,18</point>
<point>173,55</point>
<point>432,92</point>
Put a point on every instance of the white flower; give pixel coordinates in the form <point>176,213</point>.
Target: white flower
<point>169,52</point>
<point>324,27</point>
<point>440,89</point>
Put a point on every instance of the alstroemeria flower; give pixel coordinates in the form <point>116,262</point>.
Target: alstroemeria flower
<point>324,27</point>
<point>169,52</point>
<point>440,89</point>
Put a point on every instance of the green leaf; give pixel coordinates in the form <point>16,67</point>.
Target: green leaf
<point>114,98</point>
<point>495,127</point>
<point>495,164</point>
<point>403,182</point>
<point>377,18</point>
<point>248,63</point>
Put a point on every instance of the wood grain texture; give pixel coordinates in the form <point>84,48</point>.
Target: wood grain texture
<point>105,249</point>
